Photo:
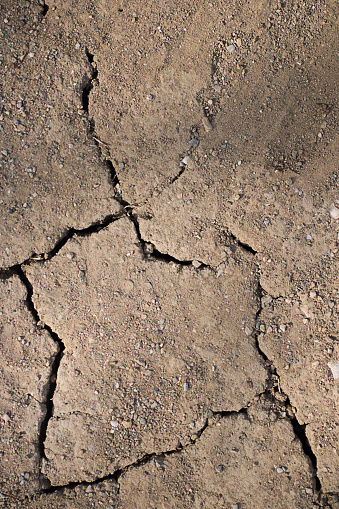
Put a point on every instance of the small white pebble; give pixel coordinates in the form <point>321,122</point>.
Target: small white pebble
<point>6,418</point>
<point>207,124</point>
<point>334,367</point>
<point>334,212</point>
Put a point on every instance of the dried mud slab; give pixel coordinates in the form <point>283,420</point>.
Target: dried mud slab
<point>151,348</point>
<point>247,460</point>
<point>27,354</point>
<point>51,178</point>
<point>225,468</point>
<point>285,219</point>
<point>182,222</point>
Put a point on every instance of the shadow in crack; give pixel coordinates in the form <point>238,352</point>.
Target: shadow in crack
<point>54,367</point>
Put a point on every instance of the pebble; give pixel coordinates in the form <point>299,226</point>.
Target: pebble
<point>6,418</point>
<point>193,142</point>
<point>149,97</point>
<point>219,468</point>
<point>265,300</point>
<point>143,421</point>
<point>186,387</point>
<point>231,48</point>
<point>196,264</point>
<point>334,367</point>
<point>280,470</point>
<point>334,212</point>
<point>313,294</point>
<point>206,123</point>
<point>71,255</point>
<point>185,160</point>
<point>248,331</point>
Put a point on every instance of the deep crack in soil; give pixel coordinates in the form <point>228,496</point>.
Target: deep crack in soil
<point>273,386</point>
<point>54,367</point>
<point>88,86</point>
<point>151,253</point>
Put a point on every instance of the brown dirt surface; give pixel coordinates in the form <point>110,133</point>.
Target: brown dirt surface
<point>169,234</point>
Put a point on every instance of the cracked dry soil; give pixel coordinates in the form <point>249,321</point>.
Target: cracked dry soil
<point>169,254</point>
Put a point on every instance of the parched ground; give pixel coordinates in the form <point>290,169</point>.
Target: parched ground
<point>169,240</point>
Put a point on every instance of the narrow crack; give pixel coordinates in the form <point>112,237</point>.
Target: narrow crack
<point>299,430</point>
<point>245,246</point>
<point>86,90</point>
<point>147,458</point>
<point>89,84</point>
<point>54,369</point>
<point>42,257</point>
<point>85,232</point>
<point>178,175</point>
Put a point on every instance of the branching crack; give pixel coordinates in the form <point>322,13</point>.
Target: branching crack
<point>147,458</point>
<point>182,169</point>
<point>54,367</point>
<point>149,252</point>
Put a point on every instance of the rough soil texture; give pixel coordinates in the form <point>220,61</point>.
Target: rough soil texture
<point>169,254</point>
